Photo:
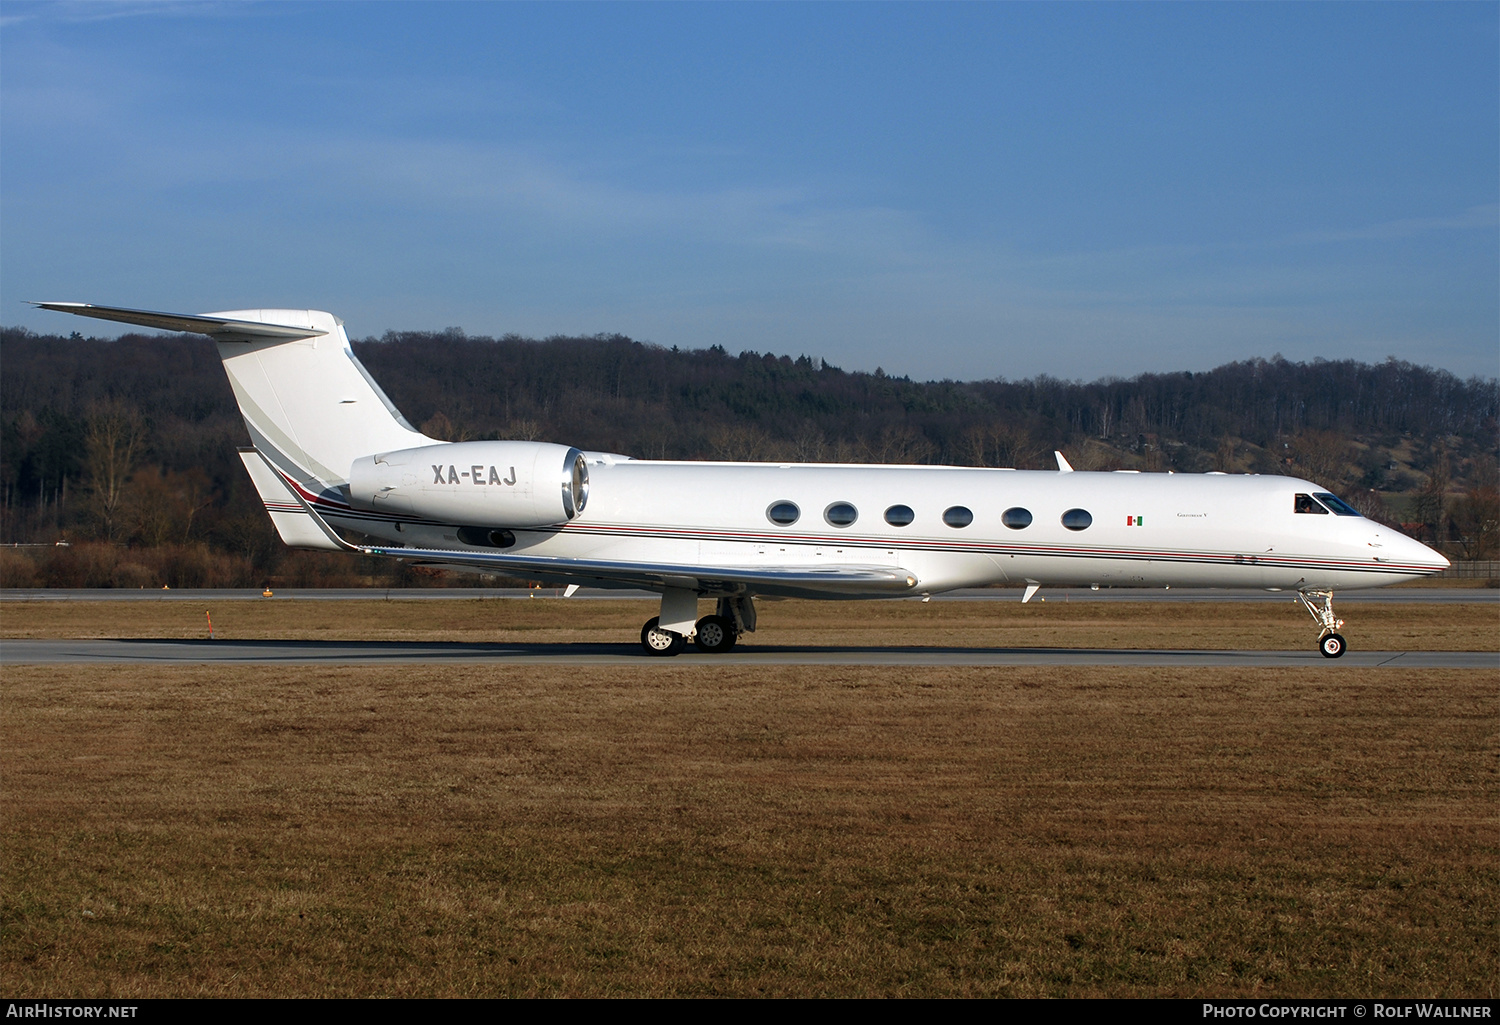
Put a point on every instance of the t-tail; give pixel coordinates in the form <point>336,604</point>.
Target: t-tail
<point>310,406</point>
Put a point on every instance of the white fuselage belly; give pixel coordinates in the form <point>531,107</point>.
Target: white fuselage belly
<point>1148,529</point>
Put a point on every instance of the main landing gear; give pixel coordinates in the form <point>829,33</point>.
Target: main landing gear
<point>1330,641</point>
<point>657,641</point>
<point>712,635</point>
<point>715,634</point>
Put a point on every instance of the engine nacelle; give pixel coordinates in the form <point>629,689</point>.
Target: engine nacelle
<point>484,483</point>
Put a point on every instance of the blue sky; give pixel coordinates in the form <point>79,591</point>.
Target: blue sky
<point>964,191</point>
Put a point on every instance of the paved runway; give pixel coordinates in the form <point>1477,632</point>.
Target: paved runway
<point>203,652</point>
<point>1420,595</point>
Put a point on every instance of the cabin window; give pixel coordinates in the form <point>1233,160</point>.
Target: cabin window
<point>484,537</point>
<point>1305,504</point>
<point>841,514</point>
<point>1337,504</point>
<point>1017,518</point>
<point>899,515</point>
<point>1077,519</point>
<point>783,514</point>
<point>957,516</point>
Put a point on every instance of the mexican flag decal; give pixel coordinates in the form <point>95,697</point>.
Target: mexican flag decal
<point>1135,521</point>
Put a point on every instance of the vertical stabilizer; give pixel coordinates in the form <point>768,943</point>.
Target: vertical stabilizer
<point>311,407</point>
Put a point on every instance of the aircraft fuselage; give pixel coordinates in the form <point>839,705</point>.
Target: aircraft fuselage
<point>1129,529</point>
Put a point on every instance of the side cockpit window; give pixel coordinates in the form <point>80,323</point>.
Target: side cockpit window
<point>1305,504</point>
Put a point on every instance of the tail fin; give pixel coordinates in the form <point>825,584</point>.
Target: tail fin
<point>309,404</point>
<point>311,407</point>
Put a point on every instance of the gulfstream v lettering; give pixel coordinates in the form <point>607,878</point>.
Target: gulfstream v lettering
<point>330,452</point>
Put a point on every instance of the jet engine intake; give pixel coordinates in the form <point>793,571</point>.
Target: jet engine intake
<point>496,484</point>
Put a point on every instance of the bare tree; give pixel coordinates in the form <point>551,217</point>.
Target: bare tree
<point>1431,505</point>
<point>1224,457</point>
<point>164,504</point>
<point>522,430</point>
<point>809,446</point>
<point>738,443</point>
<point>900,443</point>
<point>976,445</point>
<point>440,426</point>
<point>1323,456</point>
<point>1015,447</point>
<point>1477,514</point>
<point>1369,504</point>
<point>112,444</point>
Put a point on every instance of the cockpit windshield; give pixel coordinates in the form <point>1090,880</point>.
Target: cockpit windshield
<point>1337,504</point>
<point>1311,504</point>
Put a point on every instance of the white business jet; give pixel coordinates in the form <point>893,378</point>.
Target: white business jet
<point>329,450</point>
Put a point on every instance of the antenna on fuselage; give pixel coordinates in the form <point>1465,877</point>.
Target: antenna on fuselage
<point>1062,464</point>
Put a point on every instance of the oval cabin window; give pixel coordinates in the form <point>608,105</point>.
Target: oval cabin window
<point>1077,519</point>
<point>957,516</point>
<point>1017,518</point>
<point>784,514</point>
<point>841,514</point>
<point>899,515</point>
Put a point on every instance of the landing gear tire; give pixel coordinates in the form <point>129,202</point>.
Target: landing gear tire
<point>1319,605</point>
<point>715,635</point>
<point>657,641</point>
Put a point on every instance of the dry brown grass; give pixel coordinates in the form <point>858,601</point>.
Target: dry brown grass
<point>666,830</point>
<point>979,624</point>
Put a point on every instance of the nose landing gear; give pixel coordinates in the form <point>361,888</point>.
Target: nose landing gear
<point>1330,641</point>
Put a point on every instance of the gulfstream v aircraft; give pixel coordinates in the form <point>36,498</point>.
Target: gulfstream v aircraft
<point>329,452</point>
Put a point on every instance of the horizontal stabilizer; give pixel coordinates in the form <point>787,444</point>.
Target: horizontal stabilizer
<point>220,327</point>
<point>310,406</point>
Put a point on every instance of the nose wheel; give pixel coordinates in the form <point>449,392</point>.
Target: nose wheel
<point>1330,642</point>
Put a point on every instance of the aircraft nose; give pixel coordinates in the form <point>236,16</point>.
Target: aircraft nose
<point>1436,560</point>
<point>1410,550</point>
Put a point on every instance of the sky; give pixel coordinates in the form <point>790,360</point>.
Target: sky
<point>963,191</point>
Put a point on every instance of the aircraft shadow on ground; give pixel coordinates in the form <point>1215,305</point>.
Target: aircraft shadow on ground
<point>327,650</point>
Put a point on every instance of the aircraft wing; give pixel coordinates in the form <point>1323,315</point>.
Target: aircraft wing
<point>845,579</point>
<point>789,581</point>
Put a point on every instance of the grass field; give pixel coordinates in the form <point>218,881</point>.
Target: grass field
<point>677,830</point>
<point>983,624</point>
